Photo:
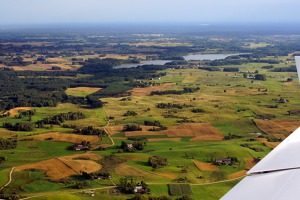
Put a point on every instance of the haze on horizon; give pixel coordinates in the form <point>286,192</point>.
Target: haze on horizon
<point>24,12</point>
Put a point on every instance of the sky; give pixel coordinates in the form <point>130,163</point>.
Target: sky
<point>148,11</point>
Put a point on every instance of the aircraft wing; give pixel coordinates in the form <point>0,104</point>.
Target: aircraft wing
<point>275,177</point>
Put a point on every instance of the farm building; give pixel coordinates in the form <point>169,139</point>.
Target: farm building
<point>224,161</point>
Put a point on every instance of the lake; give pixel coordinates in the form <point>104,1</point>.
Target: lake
<point>187,58</point>
<point>207,56</point>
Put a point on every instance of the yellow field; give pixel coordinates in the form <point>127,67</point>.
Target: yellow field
<point>81,91</point>
<point>62,167</point>
<point>65,137</point>
<point>237,174</point>
<point>15,111</point>
<point>205,166</point>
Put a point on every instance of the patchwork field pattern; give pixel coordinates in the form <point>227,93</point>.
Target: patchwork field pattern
<point>199,132</point>
<point>277,128</point>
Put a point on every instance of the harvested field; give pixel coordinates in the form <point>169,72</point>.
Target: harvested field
<point>237,174</point>
<point>62,167</point>
<point>65,137</point>
<point>250,162</point>
<point>147,91</point>
<point>169,175</point>
<point>277,128</point>
<point>205,166</point>
<point>201,131</point>
<point>271,145</point>
<point>127,170</point>
<point>15,111</point>
<point>163,139</point>
<point>113,129</point>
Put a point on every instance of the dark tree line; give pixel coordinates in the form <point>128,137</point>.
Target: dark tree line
<point>8,143</point>
<point>185,90</point>
<point>89,130</point>
<point>60,118</point>
<point>20,126</point>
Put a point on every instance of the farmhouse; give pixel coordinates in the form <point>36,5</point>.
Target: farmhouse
<point>81,147</point>
<point>224,161</point>
<point>130,147</point>
<point>140,190</point>
<point>102,176</point>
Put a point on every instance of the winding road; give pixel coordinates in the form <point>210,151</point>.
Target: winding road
<point>9,178</point>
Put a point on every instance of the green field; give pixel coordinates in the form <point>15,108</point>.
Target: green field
<point>229,102</point>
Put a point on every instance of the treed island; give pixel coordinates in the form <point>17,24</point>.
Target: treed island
<point>141,115</point>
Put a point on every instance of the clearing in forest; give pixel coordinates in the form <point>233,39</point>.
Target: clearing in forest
<point>82,91</point>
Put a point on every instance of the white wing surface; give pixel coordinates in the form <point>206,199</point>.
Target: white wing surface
<point>275,177</point>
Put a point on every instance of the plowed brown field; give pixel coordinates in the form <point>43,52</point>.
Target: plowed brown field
<point>277,128</point>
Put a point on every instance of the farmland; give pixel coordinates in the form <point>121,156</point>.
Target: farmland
<point>88,120</point>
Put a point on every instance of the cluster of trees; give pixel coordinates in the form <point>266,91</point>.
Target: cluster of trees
<point>3,159</point>
<point>261,77</point>
<point>127,185</point>
<point>94,101</point>
<point>152,123</point>
<point>231,136</point>
<point>197,110</point>
<point>157,162</point>
<point>172,105</point>
<point>231,69</point>
<point>8,143</point>
<point>89,130</point>
<point>285,69</point>
<point>60,118</point>
<point>211,69</point>
<point>185,90</point>
<point>135,146</point>
<point>20,126</point>
<point>27,113</point>
<point>96,175</point>
<point>130,113</point>
<point>132,127</point>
